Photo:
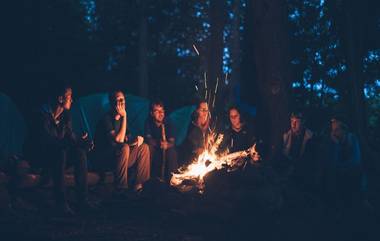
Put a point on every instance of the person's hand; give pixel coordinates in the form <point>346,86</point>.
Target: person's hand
<point>164,145</point>
<point>140,140</point>
<point>91,145</point>
<point>120,109</point>
<point>255,157</point>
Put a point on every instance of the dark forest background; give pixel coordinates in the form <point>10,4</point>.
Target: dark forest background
<point>320,57</point>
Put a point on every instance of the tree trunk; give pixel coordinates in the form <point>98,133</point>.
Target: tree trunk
<point>143,85</point>
<point>271,58</point>
<point>356,38</point>
<point>235,52</point>
<point>215,50</point>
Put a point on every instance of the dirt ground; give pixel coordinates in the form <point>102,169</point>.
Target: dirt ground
<point>254,204</point>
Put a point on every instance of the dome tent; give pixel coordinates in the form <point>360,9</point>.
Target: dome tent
<point>12,128</point>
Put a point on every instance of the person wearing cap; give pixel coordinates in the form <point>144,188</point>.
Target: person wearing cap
<point>342,173</point>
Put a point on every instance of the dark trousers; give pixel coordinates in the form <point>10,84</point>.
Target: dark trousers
<point>122,157</point>
<point>56,160</point>
<point>171,163</point>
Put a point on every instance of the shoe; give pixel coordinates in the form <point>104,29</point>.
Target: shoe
<point>138,188</point>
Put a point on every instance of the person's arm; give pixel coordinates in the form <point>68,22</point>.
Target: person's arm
<point>119,137</point>
<point>68,129</point>
<point>148,134</point>
<point>170,139</point>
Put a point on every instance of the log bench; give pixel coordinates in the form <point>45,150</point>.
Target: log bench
<point>31,180</point>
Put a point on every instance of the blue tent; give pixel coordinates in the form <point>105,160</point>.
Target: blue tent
<point>12,128</point>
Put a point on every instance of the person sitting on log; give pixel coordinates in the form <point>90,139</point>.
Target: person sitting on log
<point>239,135</point>
<point>298,151</point>
<point>197,133</point>
<point>342,169</point>
<point>53,146</point>
<point>117,150</point>
<point>160,138</point>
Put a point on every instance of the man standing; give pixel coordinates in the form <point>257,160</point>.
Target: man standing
<point>53,146</point>
<point>159,136</point>
<point>115,149</point>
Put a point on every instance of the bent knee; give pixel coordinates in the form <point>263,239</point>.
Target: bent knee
<point>124,148</point>
<point>144,147</point>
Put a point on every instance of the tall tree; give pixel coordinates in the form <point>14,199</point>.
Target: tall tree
<point>352,24</point>
<point>215,45</point>
<point>143,50</point>
<point>271,59</point>
<point>235,49</point>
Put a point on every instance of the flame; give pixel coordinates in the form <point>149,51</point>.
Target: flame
<point>208,161</point>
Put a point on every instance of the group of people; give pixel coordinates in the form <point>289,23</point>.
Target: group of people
<point>329,164</point>
<point>54,146</point>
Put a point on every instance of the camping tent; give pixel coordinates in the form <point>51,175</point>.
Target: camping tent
<point>12,128</point>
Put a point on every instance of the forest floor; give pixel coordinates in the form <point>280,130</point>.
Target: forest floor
<point>254,204</point>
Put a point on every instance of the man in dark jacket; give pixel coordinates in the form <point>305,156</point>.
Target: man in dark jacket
<point>54,146</point>
<point>160,138</point>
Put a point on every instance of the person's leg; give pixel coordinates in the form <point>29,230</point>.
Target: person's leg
<point>58,166</point>
<point>78,158</point>
<point>141,156</point>
<point>122,164</point>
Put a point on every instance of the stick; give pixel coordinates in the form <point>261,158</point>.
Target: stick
<point>196,50</point>
<point>163,164</point>
<point>205,79</point>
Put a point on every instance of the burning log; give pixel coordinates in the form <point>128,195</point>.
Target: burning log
<point>208,161</point>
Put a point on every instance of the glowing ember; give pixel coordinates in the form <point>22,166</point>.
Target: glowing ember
<point>208,161</point>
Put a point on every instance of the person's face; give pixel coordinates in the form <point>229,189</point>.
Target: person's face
<point>158,113</point>
<point>234,118</point>
<point>67,99</point>
<point>203,112</point>
<point>296,125</point>
<point>336,129</point>
<point>119,99</point>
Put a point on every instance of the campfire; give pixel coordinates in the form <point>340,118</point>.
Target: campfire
<point>193,174</point>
